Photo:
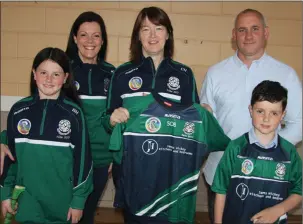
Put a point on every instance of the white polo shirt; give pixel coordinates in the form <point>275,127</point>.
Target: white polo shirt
<point>227,88</point>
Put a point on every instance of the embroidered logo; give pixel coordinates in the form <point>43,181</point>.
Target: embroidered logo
<point>24,126</point>
<point>173,83</point>
<point>135,83</point>
<point>153,124</point>
<point>189,128</point>
<point>280,170</point>
<point>242,191</point>
<point>77,85</point>
<point>247,166</point>
<point>106,84</point>
<point>150,146</point>
<point>64,127</point>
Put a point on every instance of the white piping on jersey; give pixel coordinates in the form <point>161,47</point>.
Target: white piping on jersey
<point>91,168</point>
<point>192,178</point>
<point>162,208</point>
<point>127,95</point>
<point>92,97</point>
<point>159,135</point>
<point>190,190</point>
<point>166,206</point>
<point>258,178</point>
<point>43,142</point>
<point>170,96</point>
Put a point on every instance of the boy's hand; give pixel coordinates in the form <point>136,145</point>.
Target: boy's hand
<point>6,207</point>
<point>268,215</point>
<point>74,214</point>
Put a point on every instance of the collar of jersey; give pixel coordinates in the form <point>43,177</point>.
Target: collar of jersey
<point>50,101</point>
<point>169,104</point>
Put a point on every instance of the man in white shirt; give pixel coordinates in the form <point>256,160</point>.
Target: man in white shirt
<point>228,86</point>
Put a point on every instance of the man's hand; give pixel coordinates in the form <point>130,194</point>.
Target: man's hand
<point>120,115</point>
<point>4,152</point>
<point>74,214</point>
<point>268,215</point>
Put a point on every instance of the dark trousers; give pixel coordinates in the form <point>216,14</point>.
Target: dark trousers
<point>211,203</point>
<point>100,177</point>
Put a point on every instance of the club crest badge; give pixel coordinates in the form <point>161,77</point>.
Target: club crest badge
<point>64,127</point>
<point>77,85</point>
<point>189,128</point>
<point>280,170</point>
<point>173,83</point>
<point>247,167</point>
<point>135,83</point>
<point>153,124</point>
<point>24,126</point>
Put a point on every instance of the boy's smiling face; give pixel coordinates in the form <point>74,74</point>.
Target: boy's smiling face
<point>266,117</point>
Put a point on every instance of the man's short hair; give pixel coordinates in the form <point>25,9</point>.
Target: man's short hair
<point>259,14</point>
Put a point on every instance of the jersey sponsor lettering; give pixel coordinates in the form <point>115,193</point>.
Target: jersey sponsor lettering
<point>150,146</point>
<point>22,109</point>
<point>172,116</point>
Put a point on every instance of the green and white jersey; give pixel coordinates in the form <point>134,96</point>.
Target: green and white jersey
<point>49,140</point>
<point>161,150</point>
<point>254,178</point>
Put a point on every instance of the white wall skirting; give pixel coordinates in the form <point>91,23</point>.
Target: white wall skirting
<point>8,101</point>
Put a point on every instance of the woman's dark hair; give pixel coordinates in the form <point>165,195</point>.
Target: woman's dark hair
<point>72,49</point>
<point>58,56</point>
<point>158,17</point>
<point>269,91</point>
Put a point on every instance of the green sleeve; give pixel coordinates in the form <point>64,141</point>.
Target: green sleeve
<point>82,163</point>
<point>215,137</point>
<point>116,143</point>
<point>296,174</point>
<point>9,182</point>
<point>224,170</point>
<point>3,137</point>
<point>8,178</point>
<point>106,123</point>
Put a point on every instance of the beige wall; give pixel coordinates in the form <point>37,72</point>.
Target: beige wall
<point>202,37</point>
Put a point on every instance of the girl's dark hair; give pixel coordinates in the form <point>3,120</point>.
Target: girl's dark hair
<point>269,91</point>
<point>158,17</point>
<point>72,49</point>
<point>58,56</point>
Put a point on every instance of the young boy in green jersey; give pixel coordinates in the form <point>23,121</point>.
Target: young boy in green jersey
<point>259,178</point>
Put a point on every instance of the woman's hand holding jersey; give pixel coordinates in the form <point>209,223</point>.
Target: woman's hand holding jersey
<point>120,115</point>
